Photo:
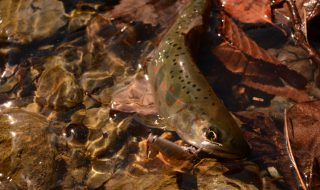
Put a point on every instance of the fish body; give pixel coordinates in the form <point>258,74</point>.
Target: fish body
<point>184,96</point>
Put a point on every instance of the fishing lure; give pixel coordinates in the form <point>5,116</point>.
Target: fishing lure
<point>183,95</point>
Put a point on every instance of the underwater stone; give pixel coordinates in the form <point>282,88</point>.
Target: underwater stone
<point>26,155</point>
<point>58,87</point>
<point>26,20</point>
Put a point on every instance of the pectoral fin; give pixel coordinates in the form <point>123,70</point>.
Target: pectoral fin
<point>153,121</point>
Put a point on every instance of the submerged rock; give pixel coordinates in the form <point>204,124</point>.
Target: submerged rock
<point>27,159</point>
<point>57,87</point>
<point>23,21</point>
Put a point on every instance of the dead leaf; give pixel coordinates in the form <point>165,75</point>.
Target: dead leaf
<point>286,91</point>
<point>147,11</point>
<point>239,41</point>
<point>312,8</point>
<point>304,130</point>
<point>268,145</point>
<point>237,62</point>
<point>249,11</point>
<point>307,10</point>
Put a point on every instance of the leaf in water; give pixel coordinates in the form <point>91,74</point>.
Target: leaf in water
<point>247,48</point>
<point>304,130</point>
<point>146,11</point>
<point>312,8</point>
<point>268,145</point>
<point>237,62</point>
<point>137,97</point>
<point>249,11</point>
<point>286,91</point>
<point>307,9</point>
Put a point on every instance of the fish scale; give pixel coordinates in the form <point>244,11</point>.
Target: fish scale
<point>184,96</point>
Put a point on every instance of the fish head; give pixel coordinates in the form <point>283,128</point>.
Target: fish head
<point>223,141</point>
<point>214,133</point>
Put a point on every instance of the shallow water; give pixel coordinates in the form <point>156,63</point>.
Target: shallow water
<point>66,71</point>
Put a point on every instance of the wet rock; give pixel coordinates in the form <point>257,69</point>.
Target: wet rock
<point>154,181</point>
<point>108,153</point>
<point>77,134</point>
<point>8,84</point>
<point>27,158</point>
<point>79,19</point>
<point>111,141</point>
<point>211,174</point>
<point>23,21</point>
<point>96,118</point>
<point>57,87</point>
<point>96,81</point>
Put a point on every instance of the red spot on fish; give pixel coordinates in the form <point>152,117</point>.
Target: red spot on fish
<point>156,69</point>
<point>172,89</point>
<point>164,85</point>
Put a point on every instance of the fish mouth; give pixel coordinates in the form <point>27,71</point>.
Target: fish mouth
<point>222,151</point>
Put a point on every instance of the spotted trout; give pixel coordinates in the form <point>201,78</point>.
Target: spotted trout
<point>183,95</point>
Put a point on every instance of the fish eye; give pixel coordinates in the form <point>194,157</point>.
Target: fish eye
<point>211,135</point>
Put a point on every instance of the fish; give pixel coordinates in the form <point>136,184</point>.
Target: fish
<point>183,95</point>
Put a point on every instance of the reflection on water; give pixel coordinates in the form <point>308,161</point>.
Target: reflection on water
<point>61,73</point>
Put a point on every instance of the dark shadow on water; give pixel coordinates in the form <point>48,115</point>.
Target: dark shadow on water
<point>187,181</point>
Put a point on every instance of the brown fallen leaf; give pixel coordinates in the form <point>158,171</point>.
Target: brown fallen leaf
<point>290,154</point>
<point>249,11</point>
<point>307,9</point>
<point>312,9</point>
<point>286,91</point>
<point>238,40</point>
<point>298,17</point>
<point>147,11</point>
<point>268,145</point>
<point>237,62</point>
<point>304,130</point>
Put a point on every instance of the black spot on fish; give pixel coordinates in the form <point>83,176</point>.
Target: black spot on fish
<point>198,89</point>
<point>174,45</point>
<point>183,87</point>
<point>188,82</point>
<point>205,98</point>
<point>194,85</point>
<point>188,92</point>
<point>179,48</point>
<point>180,71</point>
<point>213,104</point>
